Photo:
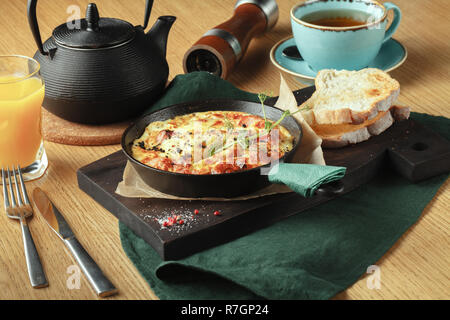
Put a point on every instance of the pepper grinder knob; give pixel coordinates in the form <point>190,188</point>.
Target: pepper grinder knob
<point>221,48</point>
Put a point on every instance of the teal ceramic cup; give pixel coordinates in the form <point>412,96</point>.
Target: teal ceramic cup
<point>350,48</point>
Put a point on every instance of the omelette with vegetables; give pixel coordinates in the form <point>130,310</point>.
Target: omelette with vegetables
<point>211,142</point>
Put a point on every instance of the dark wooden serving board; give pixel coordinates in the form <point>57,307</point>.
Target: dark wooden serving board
<point>413,150</point>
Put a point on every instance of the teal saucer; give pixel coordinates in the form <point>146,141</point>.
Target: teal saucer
<point>391,56</point>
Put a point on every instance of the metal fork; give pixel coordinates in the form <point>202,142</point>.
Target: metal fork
<point>21,210</point>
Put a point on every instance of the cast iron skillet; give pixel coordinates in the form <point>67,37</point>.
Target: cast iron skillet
<point>225,185</point>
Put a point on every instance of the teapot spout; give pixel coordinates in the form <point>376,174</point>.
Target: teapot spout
<point>160,31</point>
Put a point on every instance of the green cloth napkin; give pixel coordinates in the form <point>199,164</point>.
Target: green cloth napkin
<point>199,86</point>
<point>304,179</point>
<point>311,255</point>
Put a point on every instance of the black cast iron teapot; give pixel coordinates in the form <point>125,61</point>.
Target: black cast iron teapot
<point>102,70</point>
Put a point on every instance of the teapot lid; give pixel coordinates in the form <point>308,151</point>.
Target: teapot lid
<point>93,32</point>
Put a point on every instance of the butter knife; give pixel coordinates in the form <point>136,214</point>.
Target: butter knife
<point>102,286</point>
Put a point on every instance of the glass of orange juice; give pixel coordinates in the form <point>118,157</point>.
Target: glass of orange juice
<point>21,95</point>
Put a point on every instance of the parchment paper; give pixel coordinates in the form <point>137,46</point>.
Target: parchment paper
<point>309,151</point>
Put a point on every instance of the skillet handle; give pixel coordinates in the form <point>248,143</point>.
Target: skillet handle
<point>331,189</point>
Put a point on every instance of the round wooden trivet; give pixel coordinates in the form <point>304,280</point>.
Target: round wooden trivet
<point>56,129</point>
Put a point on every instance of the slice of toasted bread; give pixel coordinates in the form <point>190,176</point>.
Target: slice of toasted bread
<point>337,136</point>
<point>343,97</point>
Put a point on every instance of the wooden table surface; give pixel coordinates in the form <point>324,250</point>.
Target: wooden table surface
<point>417,267</point>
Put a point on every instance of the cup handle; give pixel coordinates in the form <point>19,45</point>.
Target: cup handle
<point>397,17</point>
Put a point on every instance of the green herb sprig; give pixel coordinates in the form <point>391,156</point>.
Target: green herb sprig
<point>228,124</point>
<point>262,98</point>
<point>244,141</point>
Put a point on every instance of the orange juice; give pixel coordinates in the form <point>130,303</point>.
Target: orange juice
<point>20,120</point>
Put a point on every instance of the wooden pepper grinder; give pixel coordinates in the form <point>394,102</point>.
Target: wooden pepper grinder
<point>221,48</point>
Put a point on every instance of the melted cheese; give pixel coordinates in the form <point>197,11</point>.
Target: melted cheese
<point>211,142</point>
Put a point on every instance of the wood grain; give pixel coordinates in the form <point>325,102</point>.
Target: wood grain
<point>417,267</point>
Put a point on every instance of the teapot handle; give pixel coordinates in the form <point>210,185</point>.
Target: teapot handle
<point>32,20</point>
<point>148,10</point>
<point>34,26</point>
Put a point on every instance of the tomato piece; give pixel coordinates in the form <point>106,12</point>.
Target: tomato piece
<point>251,121</point>
<point>246,121</point>
<point>236,116</point>
<point>225,168</point>
<point>260,124</point>
<point>161,163</point>
<point>182,168</point>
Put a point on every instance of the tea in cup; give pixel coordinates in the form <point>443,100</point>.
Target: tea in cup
<point>344,34</point>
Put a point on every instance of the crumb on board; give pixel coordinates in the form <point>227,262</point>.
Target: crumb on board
<point>182,218</point>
